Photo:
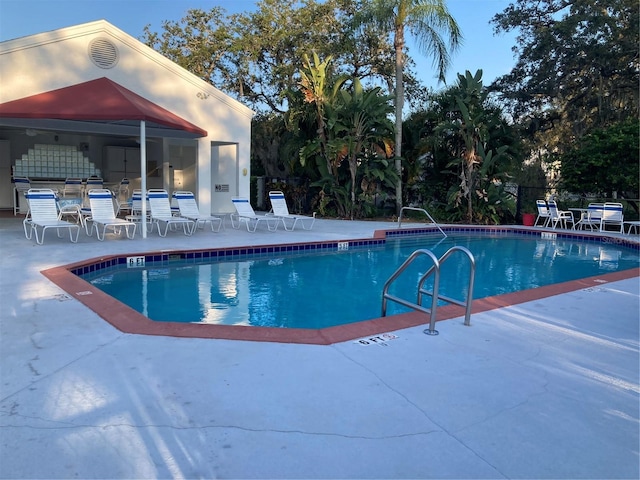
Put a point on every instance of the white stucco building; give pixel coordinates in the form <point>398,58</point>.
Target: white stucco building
<point>76,101</point>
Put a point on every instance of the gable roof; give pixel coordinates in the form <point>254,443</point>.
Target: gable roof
<point>94,104</point>
<point>110,31</point>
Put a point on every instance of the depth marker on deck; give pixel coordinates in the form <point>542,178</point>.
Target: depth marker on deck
<point>376,339</point>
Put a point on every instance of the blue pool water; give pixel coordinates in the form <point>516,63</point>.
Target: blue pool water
<point>312,290</point>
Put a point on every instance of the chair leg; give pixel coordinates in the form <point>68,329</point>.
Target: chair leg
<point>35,232</point>
<point>127,229</point>
<point>29,233</point>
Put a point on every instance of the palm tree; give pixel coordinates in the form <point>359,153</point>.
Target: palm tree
<point>428,21</point>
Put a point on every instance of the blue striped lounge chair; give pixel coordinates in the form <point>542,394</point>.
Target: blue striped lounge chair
<point>188,208</point>
<point>562,217</point>
<point>245,213</point>
<point>43,214</point>
<point>281,211</point>
<point>103,216</point>
<point>543,214</point>
<point>161,213</point>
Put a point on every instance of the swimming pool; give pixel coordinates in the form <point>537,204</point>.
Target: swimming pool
<point>333,286</point>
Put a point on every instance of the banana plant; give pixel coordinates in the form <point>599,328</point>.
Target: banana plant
<point>468,125</point>
<point>362,130</point>
<point>352,125</point>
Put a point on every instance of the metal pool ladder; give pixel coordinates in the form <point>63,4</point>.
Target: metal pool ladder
<point>434,294</point>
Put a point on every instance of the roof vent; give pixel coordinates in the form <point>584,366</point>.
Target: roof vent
<point>103,53</point>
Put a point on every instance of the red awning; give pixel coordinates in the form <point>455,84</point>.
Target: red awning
<point>100,100</point>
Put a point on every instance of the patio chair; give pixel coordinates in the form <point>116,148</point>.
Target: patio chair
<point>244,213</point>
<point>592,217</point>
<point>561,217</point>
<point>72,187</point>
<point>123,200</point>
<point>612,214</point>
<point>632,225</point>
<point>71,208</point>
<point>543,213</point>
<point>136,209</point>
<point>93,183</point>
<point>44,214</point>
<point>161,213</point>
<point>103,216</point>
<point>281,211</point>
<point>123,188</point>
<point>188,208</point>
<point>20,187</point>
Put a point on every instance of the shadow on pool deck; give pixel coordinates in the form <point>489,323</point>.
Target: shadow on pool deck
<point>547,388</point>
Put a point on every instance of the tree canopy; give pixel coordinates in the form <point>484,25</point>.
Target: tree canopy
<point>256,56</point>
<point>577,65</point>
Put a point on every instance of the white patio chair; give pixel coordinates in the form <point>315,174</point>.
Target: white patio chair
<point>281,211</point>
<point>71,208</point>
<point>136,208</point>
<point>244,213</point>
<point>44,214</point>
<point>161,213</point>
<point>123,200</point>
<point>612,214</point>
<point>543,213</point>
<point>93,183</point>
<point>103,216</point>
<point>188,208</point>
<point>72,187</point>
<point>21,186</point>
<point>562,217</point>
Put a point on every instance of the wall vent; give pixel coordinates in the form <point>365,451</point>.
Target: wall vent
<point>103,53</point>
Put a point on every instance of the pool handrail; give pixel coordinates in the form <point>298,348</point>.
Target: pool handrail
<point>416,209</point>
<point>434,294</point>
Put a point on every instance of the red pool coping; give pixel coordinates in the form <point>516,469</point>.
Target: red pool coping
<point>128,320</point>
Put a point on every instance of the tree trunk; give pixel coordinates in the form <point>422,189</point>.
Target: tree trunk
<point>398,43</point>
<point>353,169</point>
<point>470,194</point>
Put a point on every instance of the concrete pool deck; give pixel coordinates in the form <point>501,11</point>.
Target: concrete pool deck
<point>543,389</point>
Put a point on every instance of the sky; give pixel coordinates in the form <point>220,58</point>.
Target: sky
<point>480,48</point>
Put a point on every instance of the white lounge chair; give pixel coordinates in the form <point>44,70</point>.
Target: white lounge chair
<point>188,208</point>
<point>281,211</point>
<point>543,213</point>
<point>103,216</point>
<point>161,213</point>
<point>561,217</point>
<point>43,213</point>
<point>244,213</point>
<point>612,214</point>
